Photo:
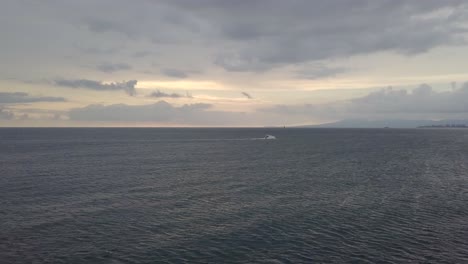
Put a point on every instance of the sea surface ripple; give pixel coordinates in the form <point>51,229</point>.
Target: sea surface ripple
<point>120,195</point>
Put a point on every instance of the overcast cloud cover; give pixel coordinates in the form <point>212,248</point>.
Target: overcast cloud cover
<point>103,61</point>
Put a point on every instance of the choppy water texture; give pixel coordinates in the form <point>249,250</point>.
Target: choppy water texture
<point>217,196</point>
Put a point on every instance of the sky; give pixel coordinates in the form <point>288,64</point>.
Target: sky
<point>231,63</point>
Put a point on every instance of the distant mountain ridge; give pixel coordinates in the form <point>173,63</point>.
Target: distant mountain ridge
<point>391,123</point>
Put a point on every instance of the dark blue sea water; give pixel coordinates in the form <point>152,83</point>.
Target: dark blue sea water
<point>218,196</point>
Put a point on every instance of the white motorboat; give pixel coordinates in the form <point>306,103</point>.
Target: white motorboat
<point>269,137</point>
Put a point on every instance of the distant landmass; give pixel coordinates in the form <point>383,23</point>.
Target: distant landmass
<point>445,126</point>
<point>393,123</point>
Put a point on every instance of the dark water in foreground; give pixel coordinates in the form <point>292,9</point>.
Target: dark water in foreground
<point>216,196</point>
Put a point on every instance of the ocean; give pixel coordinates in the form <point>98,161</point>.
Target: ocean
<point>206,195</point>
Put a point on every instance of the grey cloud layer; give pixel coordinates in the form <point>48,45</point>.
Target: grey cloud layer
<point>5,114</point>
<point>319,71</point>
<point>174,73</point>
<point>191,114</point>
<point>266,34</point>
<point>20,97</point>
<point>244,35</point>
<point>113,67</point>
<point>421,101</point>
<point>10,99</point>
<point>128,86</point>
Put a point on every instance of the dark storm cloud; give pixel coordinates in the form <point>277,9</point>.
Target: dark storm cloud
<point>128,86</point>
<point>20,97</point>
<point>113,67</point>
<point>389,102</point>
<point>248,96</point>
<point>159,94</point>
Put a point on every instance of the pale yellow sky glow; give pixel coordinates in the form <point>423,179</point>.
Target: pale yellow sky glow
<point>186,85</point>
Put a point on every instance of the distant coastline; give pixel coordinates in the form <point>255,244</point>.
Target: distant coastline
<point>445,126</point>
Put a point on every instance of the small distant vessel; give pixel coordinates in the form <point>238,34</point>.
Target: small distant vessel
<point>269,137</point>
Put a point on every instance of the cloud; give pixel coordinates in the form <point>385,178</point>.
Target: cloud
<point>251,36</point>
<point>126,86</point>
<point>234,62</point>
<point>157,112</point>
<point>98,50</point>
<point>263,36</point>
<point>244,36</point>
<point>422,99</point>
<point>113,67</point>
<point>141,54</point>
<point>421,102</point>
<point>198,114</point>
<point>102,25</point>
<point>24,117</point>
<point>5,114</point>
<point>319,71</point>
<point>159,94</point>
<point>174,73</point>
<point>20,97</point>
<point>248,96</point>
